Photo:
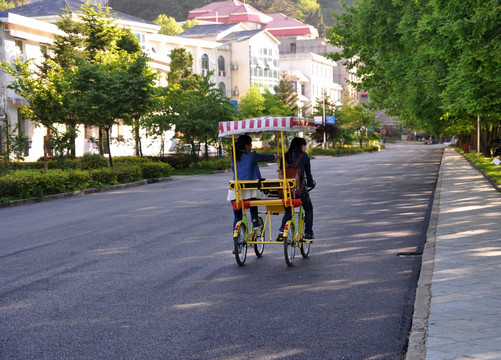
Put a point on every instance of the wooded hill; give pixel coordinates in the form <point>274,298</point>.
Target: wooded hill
<point>150,9</point>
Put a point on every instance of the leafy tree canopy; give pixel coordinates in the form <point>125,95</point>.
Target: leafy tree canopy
<point>168,25</point>
<point>433,64</point>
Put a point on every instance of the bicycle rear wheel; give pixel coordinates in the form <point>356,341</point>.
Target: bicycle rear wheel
<point>289,246</point>
<point>240,245</point>
<point>260,236</point>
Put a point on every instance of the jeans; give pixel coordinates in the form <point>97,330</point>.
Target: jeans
<point>308,213</point>
<point>239,215</point>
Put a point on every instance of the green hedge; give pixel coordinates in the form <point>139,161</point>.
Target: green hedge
<point>152,170</point>
<point>213,164</point>
<point>24,184</point>
<point>27,184</point>
<point>342,151</point>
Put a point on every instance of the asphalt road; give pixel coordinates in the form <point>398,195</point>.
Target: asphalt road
<point>148,272</point>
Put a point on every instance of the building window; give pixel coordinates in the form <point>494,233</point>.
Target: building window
<point>220,63</point>
<point>293,47</point>
<point>120,132</point>
<point>222,86</point>
<point>142,40</point>
<point>21,130</point>
<point>88,131</point>
<point>205,62</point>
<point>19,45</point>
<point>3,129</point>
<point>44,49</point>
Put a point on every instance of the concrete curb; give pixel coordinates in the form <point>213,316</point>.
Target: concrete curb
<point>13,203</point>
<point>416,349</point>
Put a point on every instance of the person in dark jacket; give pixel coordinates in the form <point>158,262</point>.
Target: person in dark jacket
<point>296,149</point>
<point>247,169</point>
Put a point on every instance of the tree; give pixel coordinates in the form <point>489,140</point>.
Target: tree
<point>180,66</point>
<point>286,7</point>
<point>190,23</point>
<point>102,92</point>
<point>331,131</point>
<point>6,5</point>
<point>45,89</point>
<point>168,25</point>
<point>358,120</point>
<point>190,104</point>
<point>13,143</point>
<point>286,93</point>
<point>129,42</point>
<point>139,84</point>
<point>99,29</point>
<point>433,64</point>
<point>273,106</point>
<point>251,104</point>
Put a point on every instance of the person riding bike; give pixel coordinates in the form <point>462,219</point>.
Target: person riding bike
<point>247,169</point>
<point>297,150</point>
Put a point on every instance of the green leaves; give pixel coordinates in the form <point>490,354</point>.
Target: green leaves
<point>423,59</point>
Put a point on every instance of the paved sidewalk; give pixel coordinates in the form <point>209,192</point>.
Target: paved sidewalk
<point>461,269</point>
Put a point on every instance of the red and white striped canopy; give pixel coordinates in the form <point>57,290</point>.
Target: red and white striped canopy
<point>265,124</point>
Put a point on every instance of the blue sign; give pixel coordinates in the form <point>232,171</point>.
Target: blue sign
<point>330,119</point>
<point>235,103</point>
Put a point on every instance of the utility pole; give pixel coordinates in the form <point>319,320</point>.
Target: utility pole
<point>323,120</point>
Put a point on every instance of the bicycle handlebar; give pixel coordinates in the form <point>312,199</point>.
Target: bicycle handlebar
<point>309,188</point>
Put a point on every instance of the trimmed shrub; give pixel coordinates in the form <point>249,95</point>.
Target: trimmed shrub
<point>213,164</point>
<point>27,184</point>
<point>78,180</point>
<point>179,161</point>
<point>116,175</point>
<point>153,170</point>
<point>92,161</point>
<point>130,160</point>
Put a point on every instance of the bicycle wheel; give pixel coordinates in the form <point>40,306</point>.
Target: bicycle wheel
<point>289,246</point>
<point>240,245</point>
<point>305,248</point>
<point>260,236</point>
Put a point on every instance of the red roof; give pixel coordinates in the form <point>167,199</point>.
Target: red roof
<point>282,25</point>
<point>229,12</point>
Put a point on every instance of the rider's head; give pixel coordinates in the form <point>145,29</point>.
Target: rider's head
<point>242,141</point>
<point>297,145</point>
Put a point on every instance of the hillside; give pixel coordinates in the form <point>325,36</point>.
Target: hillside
<point>150,9</point>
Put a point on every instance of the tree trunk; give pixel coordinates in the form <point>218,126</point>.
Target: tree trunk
<point>73,142</point>
<point>137,138</point>
<point>101,141</point>
<point>107,129</point>
<point>46,150</point>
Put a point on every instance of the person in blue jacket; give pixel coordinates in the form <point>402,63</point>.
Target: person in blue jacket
<point>247,169</point>
<point>298,147</point>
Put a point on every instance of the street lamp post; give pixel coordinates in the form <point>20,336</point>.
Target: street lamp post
<point>323,120</point>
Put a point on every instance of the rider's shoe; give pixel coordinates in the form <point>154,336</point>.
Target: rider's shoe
<point>257,225</point>
<point>280,236</point>
<point>308,236</point>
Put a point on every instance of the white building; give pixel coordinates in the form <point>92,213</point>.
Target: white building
<point>313,75</point>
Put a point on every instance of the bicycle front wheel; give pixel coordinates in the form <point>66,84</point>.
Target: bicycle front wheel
<point>240,245</point>
<point>289,246</point>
